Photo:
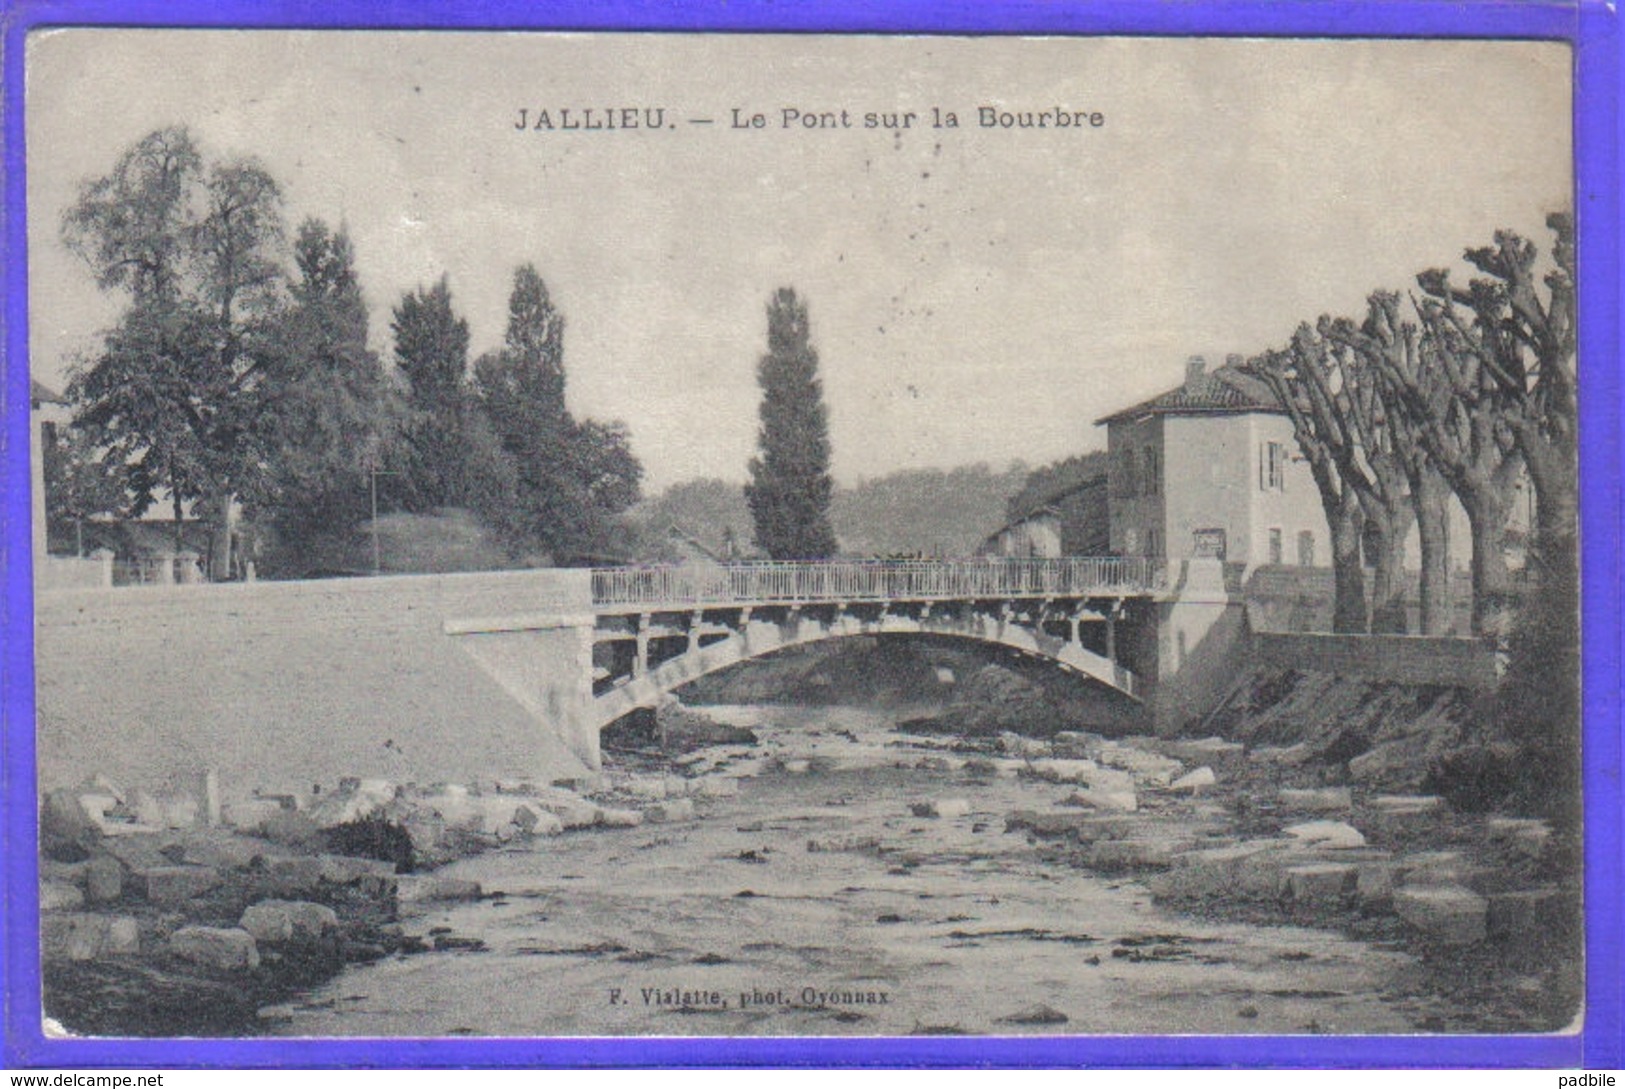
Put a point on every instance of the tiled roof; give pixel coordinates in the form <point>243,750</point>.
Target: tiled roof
<point>39,393</point>
<point>1222,392</point>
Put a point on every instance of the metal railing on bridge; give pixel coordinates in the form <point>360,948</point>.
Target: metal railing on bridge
<point>876,581</point>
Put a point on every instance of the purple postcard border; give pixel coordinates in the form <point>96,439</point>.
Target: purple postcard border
<point>1592,28</point>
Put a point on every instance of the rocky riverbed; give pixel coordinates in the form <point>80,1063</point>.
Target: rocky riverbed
<point>837,877</point>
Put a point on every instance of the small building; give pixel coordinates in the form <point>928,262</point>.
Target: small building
<point>1035,535</point>
<point>1068,522</point>
<point>1211,469</point>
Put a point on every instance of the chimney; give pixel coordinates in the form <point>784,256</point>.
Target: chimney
<point>1234,360</point>
<point>1194,366</point>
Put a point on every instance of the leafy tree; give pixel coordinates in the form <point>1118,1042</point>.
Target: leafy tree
<point>1048,482</point>
<point>452,457</point>
<point>335,419</point>
<point>177,392</point>
<point>790,486</point>
<point>569,477</point>
<point>80,483</point>
<point>431,347</point>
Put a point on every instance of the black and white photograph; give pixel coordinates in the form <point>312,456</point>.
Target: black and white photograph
<point>616,534</point>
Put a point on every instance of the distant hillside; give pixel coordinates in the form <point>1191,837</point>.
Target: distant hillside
<point>933,512</point>
<point>705,510</point>
<point>1049,482</point>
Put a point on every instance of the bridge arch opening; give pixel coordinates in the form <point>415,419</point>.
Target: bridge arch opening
<point>958,678</point>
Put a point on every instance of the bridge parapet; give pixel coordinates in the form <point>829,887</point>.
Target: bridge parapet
<point>852,581</point>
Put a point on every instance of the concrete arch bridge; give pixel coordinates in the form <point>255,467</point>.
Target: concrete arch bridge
<point>641,632</point>
<point>664,627</point>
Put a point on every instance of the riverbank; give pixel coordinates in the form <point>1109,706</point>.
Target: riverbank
<point>993,885</point>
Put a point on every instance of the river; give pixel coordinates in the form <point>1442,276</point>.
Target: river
<point>897,924</point>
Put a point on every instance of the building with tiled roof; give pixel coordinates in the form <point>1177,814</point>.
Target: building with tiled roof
<point>1223,391</point>
<point>1210,468</point>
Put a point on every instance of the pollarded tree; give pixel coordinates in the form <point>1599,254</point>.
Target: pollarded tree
<point>790,486</point>
<point>1522,340</point>
<point>1519,339</point>
<point>1294,377</point>
<point>1459,413</point>
<point>1385,423</point>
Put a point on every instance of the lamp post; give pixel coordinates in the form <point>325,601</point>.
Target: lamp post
<point>370,459</point>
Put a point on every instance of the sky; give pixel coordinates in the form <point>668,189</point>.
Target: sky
<point>976,294</point>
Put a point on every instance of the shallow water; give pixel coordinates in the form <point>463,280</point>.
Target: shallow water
<point>730,925</point>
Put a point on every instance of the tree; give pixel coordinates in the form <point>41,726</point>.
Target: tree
<point>1519,341</point>
<point>1385,423</point>
<point>452,457</point>
<point>176,394</point>
<point>335,419</point>
<point>1296,377</point>
<point>1525,346</point>
<point>570,477</point>
<point>1459,416</point>
<point>80,483</point>
<point>790,486</point>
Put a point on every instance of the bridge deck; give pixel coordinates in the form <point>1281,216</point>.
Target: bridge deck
<point>628,589</point>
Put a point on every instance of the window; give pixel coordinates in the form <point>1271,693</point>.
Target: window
<point>1272,468</point>
<point>1152,543</point>
<point>1129,482</point>
<point>1306,549</point>
<point>1131,541</point>
<point>1275,546</point>
<point>1153,471</point>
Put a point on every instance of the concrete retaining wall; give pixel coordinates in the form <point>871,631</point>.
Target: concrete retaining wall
<point>68,573</point>
<point>1404,659</point>
<point>281,685</point>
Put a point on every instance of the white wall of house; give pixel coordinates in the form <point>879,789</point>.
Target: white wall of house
<point>1234,476</point>
<point>1288,523</point>
<point>1213,474</point>
<point>1035,537</point>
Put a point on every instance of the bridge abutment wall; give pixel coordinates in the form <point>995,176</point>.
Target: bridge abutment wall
<point>279,685</point>
<point>1201,646</point>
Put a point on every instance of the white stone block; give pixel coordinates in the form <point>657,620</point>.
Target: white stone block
<point>226,949</point>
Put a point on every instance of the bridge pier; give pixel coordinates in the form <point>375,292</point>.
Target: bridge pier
<point>640,664</point>
<point>1201,646</point>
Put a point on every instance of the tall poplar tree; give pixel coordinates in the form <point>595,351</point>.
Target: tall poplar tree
<point>452,457</point>
<point>790,486</point>
<point>570,476</point>
<point>333,421</point>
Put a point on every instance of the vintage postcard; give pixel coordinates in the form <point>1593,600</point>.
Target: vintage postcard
<point>553,535</point>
